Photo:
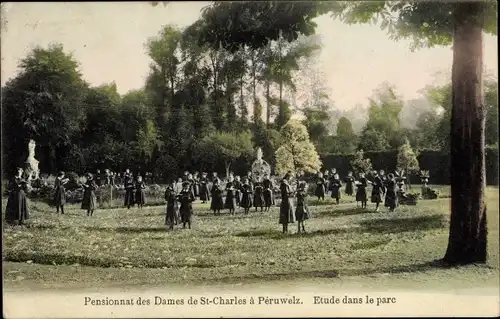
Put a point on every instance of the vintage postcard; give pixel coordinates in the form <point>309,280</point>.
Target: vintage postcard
<point>249,159</point>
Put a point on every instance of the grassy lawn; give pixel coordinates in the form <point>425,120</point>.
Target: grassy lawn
<point>119,247</point>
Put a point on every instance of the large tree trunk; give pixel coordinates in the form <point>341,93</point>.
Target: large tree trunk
<point>268,99</point>
<point>468,231</point>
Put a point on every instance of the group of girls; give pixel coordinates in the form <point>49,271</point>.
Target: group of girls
<point>391,187</point>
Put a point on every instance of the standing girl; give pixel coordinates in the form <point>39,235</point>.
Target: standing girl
<point>140,196</point>
<point>335,186</point>
<point>89,202</point>
<point>217,203</point>
<point>204,192</point>
<point>237,190</point>
<point>268,193</point>
<point>302,211</point>
<point>128,183</point>
<point>287,215</point>
<point>172,208</point>
<point>320,187</point>
<point>186,199</point>
<point>258,195</point>
<point>60,192</point>
<point>16,211</point>
<point>377,190</point>
<point>246,195</point>
<point>391,197</point>
<point>230,195</point>
<point>361,190</point>
<point>349,184</point>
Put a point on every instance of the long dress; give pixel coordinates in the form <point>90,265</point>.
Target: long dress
<point>246,195</point>
<point>140,196</point>
<point>129,190</point>
<point>320,187</point>
<point>302,210</point>
<point>230,196</point>
<point>186,209</point>
<point>172,208</point>
<point>268,192</point>
<point>196,187</point>
<point>17,203</point>
<point>287,215</point>
<point>335,186</point>
<point>217,201</point>
<point>349,185</point>
<point>60,192</point>
<point>204,191</point>
<point>89,201</point>
<point>391,198</point>
<point>377,190</point>
<point>361,191</point>
<point>237,192</point>
<point>258,195</point>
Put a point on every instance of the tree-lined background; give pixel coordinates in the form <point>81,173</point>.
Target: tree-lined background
<point>206,107</point>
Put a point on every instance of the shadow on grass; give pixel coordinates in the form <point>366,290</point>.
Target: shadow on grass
<point>343,212</point>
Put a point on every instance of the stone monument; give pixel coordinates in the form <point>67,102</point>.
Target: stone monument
<point>31,164</point>
<point>260,168</point>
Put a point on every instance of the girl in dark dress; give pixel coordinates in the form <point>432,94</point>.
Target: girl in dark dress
<point>377,190</point>
<point>140,196</point>
<point>237,190</point>
<point>185,178</point>
<point>320,187</point>
<point>302,211</point>
<point>196,184</point>
<point>391,197</point>
<point>246,195</point>
<point>172,207</point>
<point>268,193</point>
<point>16,211</point>
<point>60,192</point>
<point>349,184</point>
<point>230,196</point>
<point>186,210</point>
<point>204,191</point>
<point>287,215</point>
<point>128,183</point>
<point>89,202</point>
<point>335,186</point>
<point>326,176</point>
<point>361,190</point>
<point>217,203</point>
<point>258,195</point>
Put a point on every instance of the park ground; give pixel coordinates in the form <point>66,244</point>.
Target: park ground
<point>344,247</point>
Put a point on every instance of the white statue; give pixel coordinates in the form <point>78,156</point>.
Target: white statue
<point>31,163</point>
<point>260,168</point>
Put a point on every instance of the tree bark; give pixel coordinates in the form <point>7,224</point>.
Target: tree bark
<point>268,105</point>
<point>468,228</point>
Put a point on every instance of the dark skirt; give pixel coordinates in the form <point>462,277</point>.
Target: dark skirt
<point>129,197</point>
<point>349,189</point>
<point>196,190</point>
<point>246,200</point>
<point>89,200</point>
<point>361,195</point>
<point>376,196</point>
<point>391,200</point>
<point>60,196</point>
<point>268,198</point>
<point>237,196</point>
<point>258,199</point>
<point>217,203</point>
<point>172,216</point>
<point>204,193</point>
<point>17,207</point>
<point>335,193</point>
<point>320,190</point>
<point>230,200</point>
<point>140,197</point>
<point>302,212</point>
<point>287,215</point>
<point>186,212</point>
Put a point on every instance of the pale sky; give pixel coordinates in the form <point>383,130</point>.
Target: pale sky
<point>108,40</point>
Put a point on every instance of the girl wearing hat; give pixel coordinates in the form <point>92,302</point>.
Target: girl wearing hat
<point>246,195</point>
<point>60,192</point>
<point>217,202</point>
<point>204,192</point>
<point>335,185</point>
<point>302,211</point>
<point>89,202</point>
<point>186,199</point>
<point>140,196</point>
<point>287,215</point>
<point>16,211</point>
